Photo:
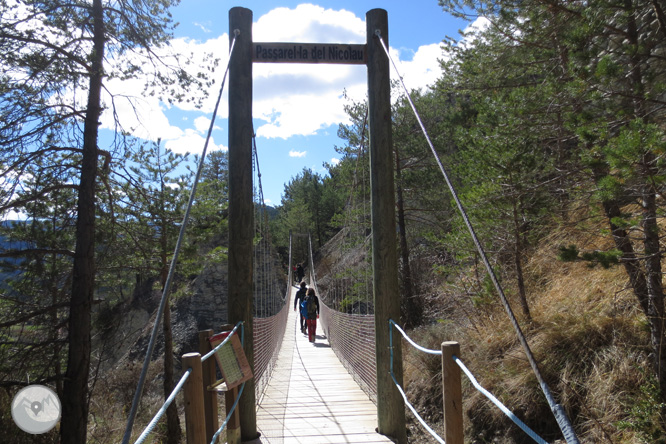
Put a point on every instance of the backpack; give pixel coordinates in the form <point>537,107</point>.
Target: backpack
<point>311,307</point>
<point>304,308</point>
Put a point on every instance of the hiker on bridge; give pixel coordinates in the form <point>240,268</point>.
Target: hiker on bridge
<point>310,308</point>
<point>300,272</point>
<point>300,297</point>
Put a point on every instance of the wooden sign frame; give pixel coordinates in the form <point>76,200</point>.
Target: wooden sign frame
<point>231,360</point>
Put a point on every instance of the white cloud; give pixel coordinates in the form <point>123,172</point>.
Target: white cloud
<point>202,124</point>
<point>293,153</point>
<point>192,142</point>
<point>423,70</point>
<point>335,161</point>
<point>473,30</point>
<point>288,99</point>
<point>309,23</point>
<point>203,27</point>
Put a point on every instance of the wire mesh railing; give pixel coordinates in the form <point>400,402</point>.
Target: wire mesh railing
<point>267,340</point>
<point>351,335</point>
<point>352,338</point>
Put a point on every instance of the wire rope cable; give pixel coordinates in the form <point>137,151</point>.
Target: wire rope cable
<point>560,415</point>
<point>404,396</point>
<point>174,260</point>
<point>474,382</point>
<point>497,402</point>
<point>414,344</point>
<point>221,344</point>
<point>151,425</point>
<point>231,412</point>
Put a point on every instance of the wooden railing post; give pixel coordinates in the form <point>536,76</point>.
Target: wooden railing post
<point>209,378</point>
<point>195,427</point>
<point>452,391</point>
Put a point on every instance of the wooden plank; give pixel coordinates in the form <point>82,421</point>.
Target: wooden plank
<point>311,398</point>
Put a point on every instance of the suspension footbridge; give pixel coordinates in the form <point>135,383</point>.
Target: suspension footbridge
<point>311,398</point>
<point>347,386</point>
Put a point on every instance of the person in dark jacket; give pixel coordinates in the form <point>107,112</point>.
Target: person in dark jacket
<point>300,297</point>
<point>300,272</point>
<point>311,305</point>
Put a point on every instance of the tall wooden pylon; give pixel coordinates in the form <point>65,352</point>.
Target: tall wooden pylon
<point>390,405</point>
<point>241,205</point>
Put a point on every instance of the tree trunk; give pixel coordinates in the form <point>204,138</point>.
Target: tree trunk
<point>518,253</point>
<point>173,422</point>
<point>653,273</point>
<point>413,307</point>
<point>75,392</point>
<point>174,431</point>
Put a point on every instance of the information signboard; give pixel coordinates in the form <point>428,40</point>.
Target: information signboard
<point>231,359</point>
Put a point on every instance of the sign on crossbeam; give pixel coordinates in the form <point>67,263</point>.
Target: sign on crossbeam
<point>336,53</point>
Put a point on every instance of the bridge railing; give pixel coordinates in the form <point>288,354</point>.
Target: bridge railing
<point>352,338</point>
<point>198,398</point>
<point>267,340</point>
<point>452,392</point>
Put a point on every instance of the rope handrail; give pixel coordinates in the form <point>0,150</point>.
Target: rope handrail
<point>414,344</point>
<point>558,411</point>
<point>497,402</point>
<point>151,425</point>
<point>231,412</point>
<point>174,261</point>
<point>404,397</point>
<point>469,375</point>
<point>411,407</point>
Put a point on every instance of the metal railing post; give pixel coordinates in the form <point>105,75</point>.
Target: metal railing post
<point>452,394</point>
<point>195,425</point>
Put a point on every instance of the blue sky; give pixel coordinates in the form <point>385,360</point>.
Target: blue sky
<point>297,108</point>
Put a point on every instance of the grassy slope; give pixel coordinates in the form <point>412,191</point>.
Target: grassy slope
<point>590,339</point>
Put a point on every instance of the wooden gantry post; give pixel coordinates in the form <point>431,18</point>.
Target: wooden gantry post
<point>390,405</point>
<point>241,205</point>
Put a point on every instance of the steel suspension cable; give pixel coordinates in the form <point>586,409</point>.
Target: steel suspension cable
<point>558,411</point>
<point>174,260</point>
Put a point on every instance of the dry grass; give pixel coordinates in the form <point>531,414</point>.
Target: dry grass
<point>112,399</point>
<point>587,333</point>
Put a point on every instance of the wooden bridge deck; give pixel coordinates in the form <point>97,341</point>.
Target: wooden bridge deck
<point>311,398</point>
